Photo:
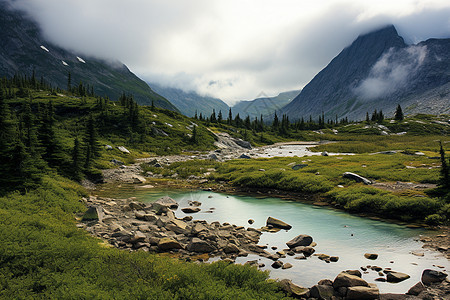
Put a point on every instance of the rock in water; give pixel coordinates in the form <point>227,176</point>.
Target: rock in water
<point>300,240</point>
<point>356,177</point>
<point>277,223</point>
<point>191,210</point>
<point>431,276</point>
<point>372,256</point>
<point>396,276</point>
<point>164,203</point>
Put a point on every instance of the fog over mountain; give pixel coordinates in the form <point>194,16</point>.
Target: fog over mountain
<point>229,50</point>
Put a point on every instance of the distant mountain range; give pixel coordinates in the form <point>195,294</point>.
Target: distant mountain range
<point>379,71</point>
<point>24,49</point>
<point>191,102</point>
<point>263,105</point>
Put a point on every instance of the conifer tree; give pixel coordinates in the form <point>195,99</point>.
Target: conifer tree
<point>230,117</point>
<point>76,161</point>
<point>276,122</point>
<point>219,117</point>
<point>444,181</point>
<point>399,113</point>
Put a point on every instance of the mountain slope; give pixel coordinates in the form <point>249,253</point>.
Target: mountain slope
<point>378,71</point>
<point>24,49</point>
<point>264,105</point>
<point>190,102</point>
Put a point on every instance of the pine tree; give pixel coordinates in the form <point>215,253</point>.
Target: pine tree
<point>399,113</point>
<point>194,137</point>
<point>230,117</point>
<point>76,161</point>
<point>219,117</point>
<point>276,122</point>
<point>444,181</point>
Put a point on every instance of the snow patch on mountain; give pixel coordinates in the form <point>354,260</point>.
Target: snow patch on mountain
<point>45,49</point>
<point>81,60</point>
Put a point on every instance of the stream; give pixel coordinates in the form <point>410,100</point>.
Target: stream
<point>336,234</point>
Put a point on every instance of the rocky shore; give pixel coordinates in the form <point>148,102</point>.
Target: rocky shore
<point>136,226</point>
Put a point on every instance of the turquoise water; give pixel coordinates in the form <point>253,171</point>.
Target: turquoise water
<point>336,233</point>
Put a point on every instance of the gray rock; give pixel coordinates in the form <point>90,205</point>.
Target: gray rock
<point>117,162</point>
<point>324,153</point>
<point>93,213</point>
<point>244,156</point>
<point>177,226</point>
<point>243,144</point>
<point>299,166</point>
<point>108,147</point>
<point>277,223</point>
<point>231,248</point>
<point>300,240</point>
<point>286,266</point>
<point>431,276</point>
<point>164,203</point>
<point>123,149</point>
<point>201,246</point>
<point>277,264</point>
<point>138,237</point>
<point>356,177</point>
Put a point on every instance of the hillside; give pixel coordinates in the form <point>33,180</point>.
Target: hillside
<point>190,103</point>
<point>379,71</point>
<point>24,50</point>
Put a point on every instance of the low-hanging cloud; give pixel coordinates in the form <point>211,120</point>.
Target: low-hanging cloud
<point>246,47</point>
<point>393,72</point>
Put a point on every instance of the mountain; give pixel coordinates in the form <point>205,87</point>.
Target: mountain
<point>24,49</point>
<point>379,71</point>
<point>263,105</point>
<point>190,102</point>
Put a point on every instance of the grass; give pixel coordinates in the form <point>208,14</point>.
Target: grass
<point>43,255</point>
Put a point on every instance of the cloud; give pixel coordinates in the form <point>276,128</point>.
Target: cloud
<point>392,72</point>
<point>246,46</point>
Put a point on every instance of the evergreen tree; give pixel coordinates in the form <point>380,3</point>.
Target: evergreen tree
<point>367,117</point>
<point>76,161</point>
<point>276,122</point>
<point>399,113</point>
<point>219,117</point>
<point>69,82</point>
<point>213,117</point>
<point>230,117</point>
<point>444,181</point>
<point>194,137</point>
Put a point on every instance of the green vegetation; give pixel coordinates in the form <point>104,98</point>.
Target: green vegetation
<point>47,134</point>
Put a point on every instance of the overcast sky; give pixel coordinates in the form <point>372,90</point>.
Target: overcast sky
<point>230,49</point>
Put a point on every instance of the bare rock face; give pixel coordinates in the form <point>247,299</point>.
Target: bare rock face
<point>277,223</point>
<point>300,240</point>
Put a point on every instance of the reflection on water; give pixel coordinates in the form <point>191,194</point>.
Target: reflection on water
<point>336,233</point>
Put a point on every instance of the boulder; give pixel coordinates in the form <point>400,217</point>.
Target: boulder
<point>344,279</point>
<point>294,289</point>
<point>356,177</point>
<point>93,213</point>
<point>138,237</point>
<point>307,251</point>
<point>251,221</point>
<point>231,248</point>
<point>277,223</point>
<point>197,228</point>
<point>117,162</point>
<point>243,144</point>
<point>166,202</point>
<point>362,293</point>
<point>372,256</point>
<point>138,179</point>
<point>354,272</point>
<point>286,266</point>
<point>396,276</point>
<point>300,240</point>
<point>322,292</point>
<point>191,210</point>
<point>123,149</point>
<point>416,289</point>
<point>194,203</point>
<point>177,226</point>
<point>431,276</point>
<point>244,156</point>
<point>167,243</point>
<point>277,264</point>
<point>201,246</point>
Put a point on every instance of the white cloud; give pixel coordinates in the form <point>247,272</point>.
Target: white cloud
<point>246,46</point>
<point>392,72</point>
